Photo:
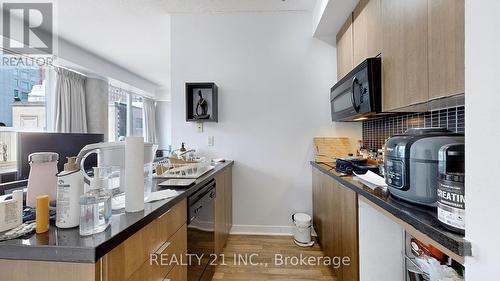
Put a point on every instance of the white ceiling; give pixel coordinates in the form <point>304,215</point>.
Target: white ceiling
<point>227,6</point>
<point>135,34</point>
<point>131,34</point>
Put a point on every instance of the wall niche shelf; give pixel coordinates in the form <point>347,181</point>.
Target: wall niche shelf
<point>201,102</point>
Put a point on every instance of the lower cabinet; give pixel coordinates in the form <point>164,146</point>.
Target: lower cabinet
<point>335,219</point>
<point>152,252</point>
<point>381,245</point>
<point>223,208</point>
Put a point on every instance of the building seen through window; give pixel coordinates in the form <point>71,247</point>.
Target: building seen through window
<point>125,114</point>
<point>22,97</point>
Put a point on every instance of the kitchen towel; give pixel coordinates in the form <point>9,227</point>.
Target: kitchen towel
<point>371,180</point>
<point>134,174</point>
<point>162,194</point>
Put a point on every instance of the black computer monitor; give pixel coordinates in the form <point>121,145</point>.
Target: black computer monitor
<point>65,144</point>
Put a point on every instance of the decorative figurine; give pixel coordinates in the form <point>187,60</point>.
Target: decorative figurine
<point>201,107</point>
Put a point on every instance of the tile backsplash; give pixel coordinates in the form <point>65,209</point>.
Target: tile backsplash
<point>376,131</point>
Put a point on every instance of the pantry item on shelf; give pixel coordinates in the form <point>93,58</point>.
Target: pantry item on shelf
<point>42,178</point>
<point>327,149</point>
<point>134,174</point>
<point>11,211</point>
<point>69,190</point>
<point>42,214</point>
<point>451,187</point>
<point>95,204</point>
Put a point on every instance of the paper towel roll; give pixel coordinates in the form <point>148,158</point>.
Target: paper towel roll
<point>134,174</point>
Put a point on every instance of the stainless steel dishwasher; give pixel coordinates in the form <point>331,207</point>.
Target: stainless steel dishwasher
<point>201,233</point>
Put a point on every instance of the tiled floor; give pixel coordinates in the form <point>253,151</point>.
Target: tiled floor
<point>265,249</point>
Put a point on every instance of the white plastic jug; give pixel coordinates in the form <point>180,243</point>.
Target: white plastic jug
<point>302,232</point>
<point>112,154</point>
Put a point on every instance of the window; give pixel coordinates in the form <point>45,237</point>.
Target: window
<point>22,93</point>
<point>117,113</point>
<point>137,108</point>
<point>125,114</point>
<point>25,85</point>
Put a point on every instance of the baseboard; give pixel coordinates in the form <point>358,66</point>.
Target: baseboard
<point>262,230</point>
<point>265,230</point>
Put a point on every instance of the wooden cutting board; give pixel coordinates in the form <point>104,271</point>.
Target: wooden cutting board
<point>327,149</point>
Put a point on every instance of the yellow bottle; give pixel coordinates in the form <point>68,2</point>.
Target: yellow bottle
<point>42,213</point>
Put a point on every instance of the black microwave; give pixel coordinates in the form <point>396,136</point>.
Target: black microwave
<point>357,96</point>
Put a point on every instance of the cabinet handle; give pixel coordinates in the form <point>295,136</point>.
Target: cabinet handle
<point>166,279</point>
<point>353,98</point>
<point>162,248</point>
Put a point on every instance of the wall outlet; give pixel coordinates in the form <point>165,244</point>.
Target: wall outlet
<point>199,127</point>
<point>211,141</point>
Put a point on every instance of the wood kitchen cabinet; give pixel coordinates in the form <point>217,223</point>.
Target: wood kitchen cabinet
<point>446,47</point>
<point>335,219</point>
<point>165,236</point>
<point>223,208</point>
<point>345,49</point>
<point>366,26</point>
<point>404,53</point>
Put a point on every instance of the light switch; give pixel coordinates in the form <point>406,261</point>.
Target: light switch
<point>211,141</point>
<point>199,127</point>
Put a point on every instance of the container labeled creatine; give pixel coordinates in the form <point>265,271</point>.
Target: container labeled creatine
<point>451,187</point>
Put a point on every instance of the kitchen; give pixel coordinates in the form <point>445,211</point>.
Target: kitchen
<point>266,72</point>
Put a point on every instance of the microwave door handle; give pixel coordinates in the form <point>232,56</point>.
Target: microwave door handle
<point>353,100</point>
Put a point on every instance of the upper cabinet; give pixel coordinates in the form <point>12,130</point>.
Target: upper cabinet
<point>446,47</point>
<point>367,33</point>
<point>345,49</point>
<point>421,43</point>
<point>404,53</point>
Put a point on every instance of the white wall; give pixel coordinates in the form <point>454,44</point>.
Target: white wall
<point>274,82</point>
<point>482,138</point>
<point>164,124</point>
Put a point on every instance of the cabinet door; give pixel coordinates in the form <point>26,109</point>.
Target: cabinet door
<point>344,49</point>
<point>446,47</point>
<point>220,213</point>
<point>334,221</point>
<point>404,53</point>
<point>380,245</point>
<point>349,221</point>
<point>317,203</point>
<point>229,200</point>
<point>366,28</point>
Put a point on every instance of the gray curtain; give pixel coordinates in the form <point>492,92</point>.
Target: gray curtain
<point>149,120</point>
<point>70,109</point>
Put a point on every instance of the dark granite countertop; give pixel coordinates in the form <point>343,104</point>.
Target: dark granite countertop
<point>66,245</point>
<point>423,219</point>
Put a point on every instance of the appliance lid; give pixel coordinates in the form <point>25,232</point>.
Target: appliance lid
<point>426,149</point>
<point>420,143</point>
